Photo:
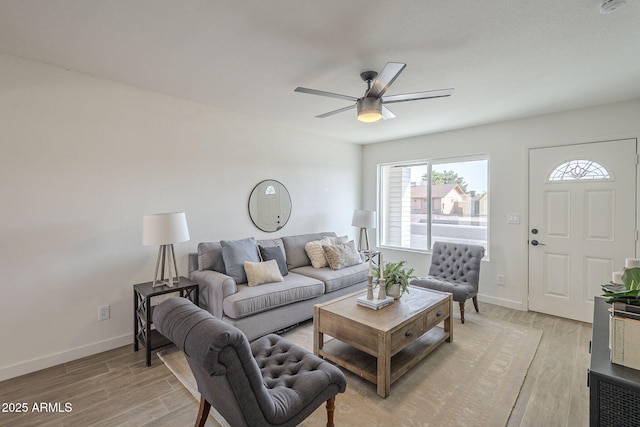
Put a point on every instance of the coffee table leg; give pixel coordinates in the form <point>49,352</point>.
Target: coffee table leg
<point>448,322</point>
<point>318,337</point>
<point>383,377</point>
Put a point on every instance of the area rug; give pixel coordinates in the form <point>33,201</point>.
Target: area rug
<point>472,381</point>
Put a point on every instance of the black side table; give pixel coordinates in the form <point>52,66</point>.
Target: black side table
<point>143,312</point>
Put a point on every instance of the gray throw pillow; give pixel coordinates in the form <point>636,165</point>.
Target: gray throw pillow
<point>275,253</point>
<point>235,253</point>
<point>210,257</point>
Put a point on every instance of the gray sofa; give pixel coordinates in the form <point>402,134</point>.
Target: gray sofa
<point>259,310</point>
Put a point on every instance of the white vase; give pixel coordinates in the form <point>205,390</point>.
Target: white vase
<point>394,291</point>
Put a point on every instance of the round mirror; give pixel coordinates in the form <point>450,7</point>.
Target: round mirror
<point>269,205</point>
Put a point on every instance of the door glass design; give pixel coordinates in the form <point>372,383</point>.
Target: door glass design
<point>575,170</point>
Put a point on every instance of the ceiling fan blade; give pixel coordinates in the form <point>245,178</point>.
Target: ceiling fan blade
<point>323,93</point>
<point>388,74</point>
<point>417,95</point>
<point>331,113</point>
<point>387,114</point>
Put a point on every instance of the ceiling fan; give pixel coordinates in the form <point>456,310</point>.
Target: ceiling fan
<point>371,106</point>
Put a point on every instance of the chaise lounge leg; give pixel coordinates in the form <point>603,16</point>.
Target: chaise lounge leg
<point>331,406</point>
<point>462,312</point>
<point>475,304</point>
<point>203,412</point>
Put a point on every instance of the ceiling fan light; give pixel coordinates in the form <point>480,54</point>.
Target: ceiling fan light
<point>369,109</point>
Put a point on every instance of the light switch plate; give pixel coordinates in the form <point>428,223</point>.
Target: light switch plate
<point>513,218</point>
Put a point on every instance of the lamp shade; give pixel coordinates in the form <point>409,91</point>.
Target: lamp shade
<point>164,229</point>
<point>364,219</point>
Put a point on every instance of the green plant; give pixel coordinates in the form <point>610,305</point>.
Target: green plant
<point>627,293</point>
<point>396,272</point>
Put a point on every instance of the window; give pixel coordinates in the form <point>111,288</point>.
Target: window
<point>575,170</point>
<point>435,200</point>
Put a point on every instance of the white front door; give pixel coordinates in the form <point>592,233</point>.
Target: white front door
<point>582,209</point>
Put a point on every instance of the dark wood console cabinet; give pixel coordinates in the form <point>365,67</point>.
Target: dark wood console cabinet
<point>614,390</point>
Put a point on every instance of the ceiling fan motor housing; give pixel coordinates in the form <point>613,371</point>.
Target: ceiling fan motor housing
<point>369,109</point>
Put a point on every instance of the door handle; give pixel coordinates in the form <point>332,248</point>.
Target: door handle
<point>536,243</point>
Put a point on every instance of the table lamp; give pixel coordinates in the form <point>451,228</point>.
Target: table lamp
<point>165,229</point>
<point>364,220</point>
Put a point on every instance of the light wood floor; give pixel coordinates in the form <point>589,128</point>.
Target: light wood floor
<point>116,389</point>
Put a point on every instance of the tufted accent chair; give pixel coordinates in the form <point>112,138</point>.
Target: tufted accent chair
<point>270,382</point>
<point>455,268</point>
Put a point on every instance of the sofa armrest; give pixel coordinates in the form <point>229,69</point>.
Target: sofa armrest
<point>214,287</point>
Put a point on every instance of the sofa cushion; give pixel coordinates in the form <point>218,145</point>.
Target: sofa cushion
<point>259,273</point>
<point>336,279</point>
<point>235,253</point>
<point>461,291</point>
<point>294,248</point>
<point>252,300</point>
<point>275,253</point>
<point>210,257</point>
<point>342,255</point>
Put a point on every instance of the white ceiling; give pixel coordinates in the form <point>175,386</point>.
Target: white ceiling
<point>506,59</point>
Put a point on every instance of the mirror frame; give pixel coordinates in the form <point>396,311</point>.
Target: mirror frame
<point>254,213</point>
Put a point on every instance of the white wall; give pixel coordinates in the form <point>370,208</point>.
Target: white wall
<point>83,159</point>
<point>508,145</point>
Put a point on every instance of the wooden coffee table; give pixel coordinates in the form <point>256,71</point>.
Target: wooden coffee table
<point>382,345</point>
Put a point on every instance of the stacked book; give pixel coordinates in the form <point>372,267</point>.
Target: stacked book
<point>375,303</point>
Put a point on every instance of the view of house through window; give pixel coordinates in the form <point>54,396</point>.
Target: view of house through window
<point>431,201</point>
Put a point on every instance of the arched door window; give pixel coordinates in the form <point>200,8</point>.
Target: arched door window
<point>579,170</point>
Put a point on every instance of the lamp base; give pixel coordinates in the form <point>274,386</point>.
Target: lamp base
<point>363,238</point>
<point>165,282</point>
<point>166,253</point>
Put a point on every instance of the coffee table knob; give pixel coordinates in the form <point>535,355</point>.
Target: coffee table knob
<point>438,313</point>
<point>408,333</point>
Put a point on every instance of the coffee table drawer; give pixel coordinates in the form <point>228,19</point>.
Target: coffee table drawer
<point>407,334</point>
<point>437,314</point>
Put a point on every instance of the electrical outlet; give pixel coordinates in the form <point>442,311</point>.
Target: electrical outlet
<point>500,279</point>
<point>104,312</point>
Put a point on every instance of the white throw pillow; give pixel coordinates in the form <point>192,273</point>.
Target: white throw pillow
<point>316,253</point>
<point>259,273</point>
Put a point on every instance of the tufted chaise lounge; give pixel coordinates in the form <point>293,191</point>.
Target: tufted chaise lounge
<point>455,268</point>
<point>270,382</point>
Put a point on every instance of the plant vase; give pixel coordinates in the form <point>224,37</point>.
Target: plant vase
<point>394,291</point>
<point>395,277</point>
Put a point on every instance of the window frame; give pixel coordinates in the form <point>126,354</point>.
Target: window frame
<point>429,163</point>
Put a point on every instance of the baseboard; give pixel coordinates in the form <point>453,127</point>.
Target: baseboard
<point>50,360</point>
<point>502,302</point>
